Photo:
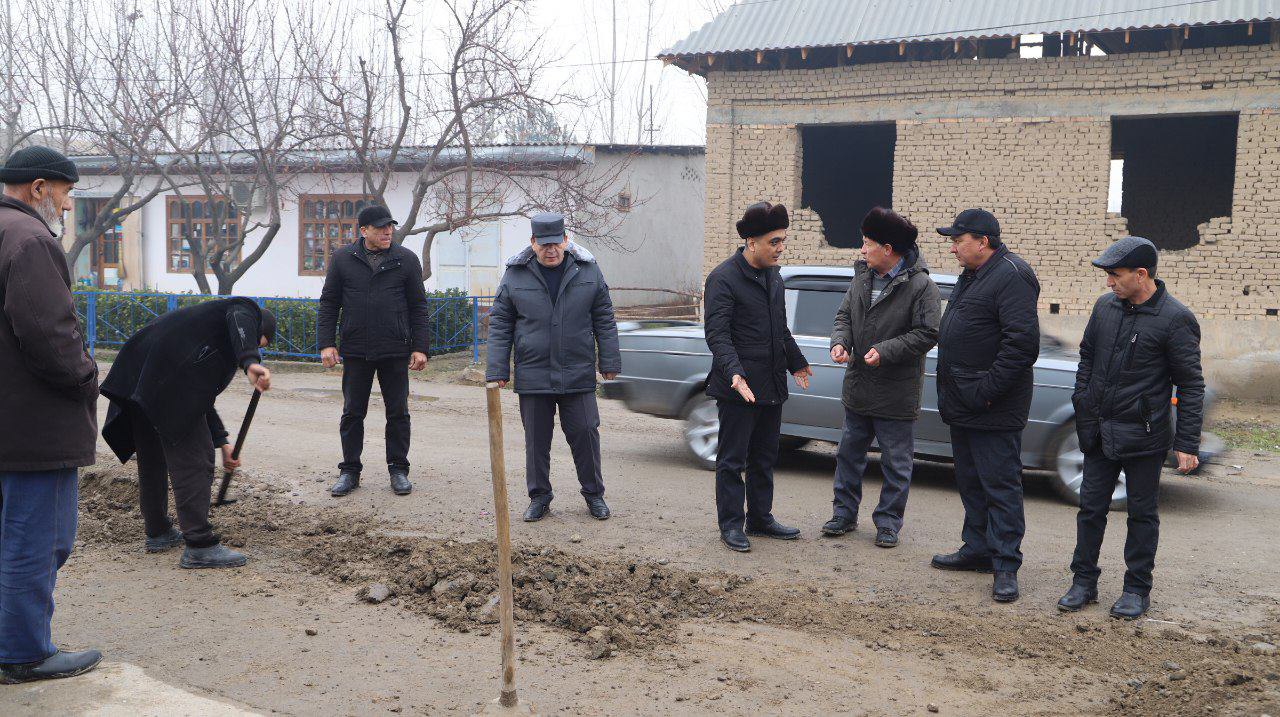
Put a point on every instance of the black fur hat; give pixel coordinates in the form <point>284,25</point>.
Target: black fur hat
<point>762,218</point>
<point>885,226</point>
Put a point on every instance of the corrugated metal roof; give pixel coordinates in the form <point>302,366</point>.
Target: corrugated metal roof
<point>753,25</point>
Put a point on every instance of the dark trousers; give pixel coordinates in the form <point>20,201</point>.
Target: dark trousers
<point>357,382</point>
<point>187,464</point>
<point>1142,477</point>
<point>580,422</point>
<point>897,451</point>
<point>748,441</point>
<point>37,530</point>
<point>989,476</point>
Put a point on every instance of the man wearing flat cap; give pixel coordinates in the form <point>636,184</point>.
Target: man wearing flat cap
<point>883,330</point>
<point>48,421</point>
<point>1139,345</point>
<point>988,343</point>
<point>374,319</point>
<point>554,313</point>
<point>752,352</point>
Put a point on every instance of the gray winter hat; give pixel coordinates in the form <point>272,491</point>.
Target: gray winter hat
<point>1129,253</point>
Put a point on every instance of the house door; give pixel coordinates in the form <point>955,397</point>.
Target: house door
<point>470,262</point>
<point>104,251</point>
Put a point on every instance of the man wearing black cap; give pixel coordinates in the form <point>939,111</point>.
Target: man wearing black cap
<point>752,352</point>
<point>883,331</point>
<point>376,286</point>
<point>553,311</point>
<point>988,343</point>
<point>162,387</point>
<point>48,421</point>
<point>1139,344</point>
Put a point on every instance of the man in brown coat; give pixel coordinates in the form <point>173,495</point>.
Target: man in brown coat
<point>48,424</point>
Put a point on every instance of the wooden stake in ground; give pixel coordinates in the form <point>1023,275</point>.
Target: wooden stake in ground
<point>508,702</point>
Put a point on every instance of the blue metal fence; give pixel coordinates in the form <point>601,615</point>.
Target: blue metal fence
<point>110,318</point>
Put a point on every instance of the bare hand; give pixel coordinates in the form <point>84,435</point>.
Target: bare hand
<point>802,377</point>
<point>228,462</point>
<point>417,361</point>
<point>502,383</point>
<point>839,354</point>
<point>609,376</point>
<point>1187,462</point>
<point>259,377</point>
<point>329,357</point>
<point>872,358</point>
<point>739,384</point>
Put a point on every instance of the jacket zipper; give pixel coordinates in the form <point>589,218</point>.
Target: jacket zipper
<point>1133,348</point>
<point>1146,414</point>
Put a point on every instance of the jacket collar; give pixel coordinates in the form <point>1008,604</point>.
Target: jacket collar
<point>359,251</point>
<point>25,209</point>
<point>579,254</point>
<point>750,272</point>
<point>995,259</point>
<point>1150,306</point>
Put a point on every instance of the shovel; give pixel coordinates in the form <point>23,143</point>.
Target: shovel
<point>235,452</point>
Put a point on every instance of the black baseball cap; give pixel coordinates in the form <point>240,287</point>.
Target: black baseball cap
<point>972,221</point>
<point>375,215</point>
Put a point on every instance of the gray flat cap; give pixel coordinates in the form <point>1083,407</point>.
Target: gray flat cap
<point>548,227</point>
<point>1129,253</point>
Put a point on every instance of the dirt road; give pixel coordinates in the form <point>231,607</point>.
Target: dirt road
<point>646,613</point>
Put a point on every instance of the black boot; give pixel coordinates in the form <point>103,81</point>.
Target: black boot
<point>886,537</point>
<point>599,509</point>
<point>1077,597</point>
<point>161,543</point>
<point>347,482</point>
<point>961,560</point>
<point>838,526</point>
<point>1005,586</point>
<point>736,540</point>
<point>59,664</point>
<point>214,556</point>
<point>773,529</point>
<point>537,510</point>
<point>400,484</point>
<point>1130,606</point>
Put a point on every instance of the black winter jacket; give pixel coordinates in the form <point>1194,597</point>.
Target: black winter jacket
<point>1131,358</point>
<point>746,330</point>
<point>384,314</point>
<point>902,326</point>
<point>173,369</point>
<point>988,344</point>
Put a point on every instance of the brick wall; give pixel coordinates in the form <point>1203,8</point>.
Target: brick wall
<point>1028,139</point>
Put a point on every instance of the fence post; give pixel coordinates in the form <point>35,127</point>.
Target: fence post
<point>172,304</point>
<point>475,329</point>
<point>91,320</point>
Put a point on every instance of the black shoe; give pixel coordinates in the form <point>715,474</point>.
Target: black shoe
<point>959,560</point>
<point>59,664</point>
<point>1005,587</point>
<point>886,538</point>
<point>736,540</point>
<point>161,543</point>
<point>599,509</point>
<point>838,526</point>
<point>400,484</point>
<point>347,482</point>
<point>1130,606</point>
<point>214,556</point>
<point>773,529</point>
<point>1077,597</point>
<point>537,510</point>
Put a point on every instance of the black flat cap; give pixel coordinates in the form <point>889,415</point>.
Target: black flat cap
<point>375,215</point>
<point>1129,253</point>
<point>972,221</point>
<point>31,163</point>
<point>548,227</point>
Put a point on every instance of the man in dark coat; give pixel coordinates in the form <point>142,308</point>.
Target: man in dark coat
<point>987,348</point>
<point>1139,344</point>
<point>752,352</point>
<point>883,331</point>
<point>553,311</point>
<point>162,387</point>
<point>48,421</point>
<point>376,287</point>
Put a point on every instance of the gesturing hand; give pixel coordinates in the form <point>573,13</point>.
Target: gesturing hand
<point>872,358</point>
<point>839,354</point>
<point>740,385</point>
<point>802,377</point>
<point>259,376</point>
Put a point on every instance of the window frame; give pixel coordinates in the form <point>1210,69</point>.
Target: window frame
<point>358,202</point>
<point>172,202</point>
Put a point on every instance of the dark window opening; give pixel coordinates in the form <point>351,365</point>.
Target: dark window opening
<point>1178,172</point>
<point>1054,308</point>
<point>847,170</point>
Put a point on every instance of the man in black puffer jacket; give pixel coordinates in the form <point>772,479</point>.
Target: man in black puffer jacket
<point>1140,342</point>
<point>987,347</point>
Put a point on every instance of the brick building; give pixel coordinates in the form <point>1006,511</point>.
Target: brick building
<point>1163,123</point>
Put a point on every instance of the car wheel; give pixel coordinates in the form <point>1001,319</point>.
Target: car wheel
<point>1066,460</point>
<point>702,430</point>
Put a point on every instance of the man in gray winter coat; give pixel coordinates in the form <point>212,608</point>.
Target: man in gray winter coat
<point>883,330</point>
<point>553,311</point>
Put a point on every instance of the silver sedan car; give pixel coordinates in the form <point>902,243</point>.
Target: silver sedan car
<point>666,364</point>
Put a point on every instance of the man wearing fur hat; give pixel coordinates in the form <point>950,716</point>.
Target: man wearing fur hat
<point>883,330</point>
<point>752,352</point>
<point>553,308</point>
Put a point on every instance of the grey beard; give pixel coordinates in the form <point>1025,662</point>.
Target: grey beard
<point>51,215</point>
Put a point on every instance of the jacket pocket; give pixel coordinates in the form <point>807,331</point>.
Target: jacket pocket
<point>965,384</point>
